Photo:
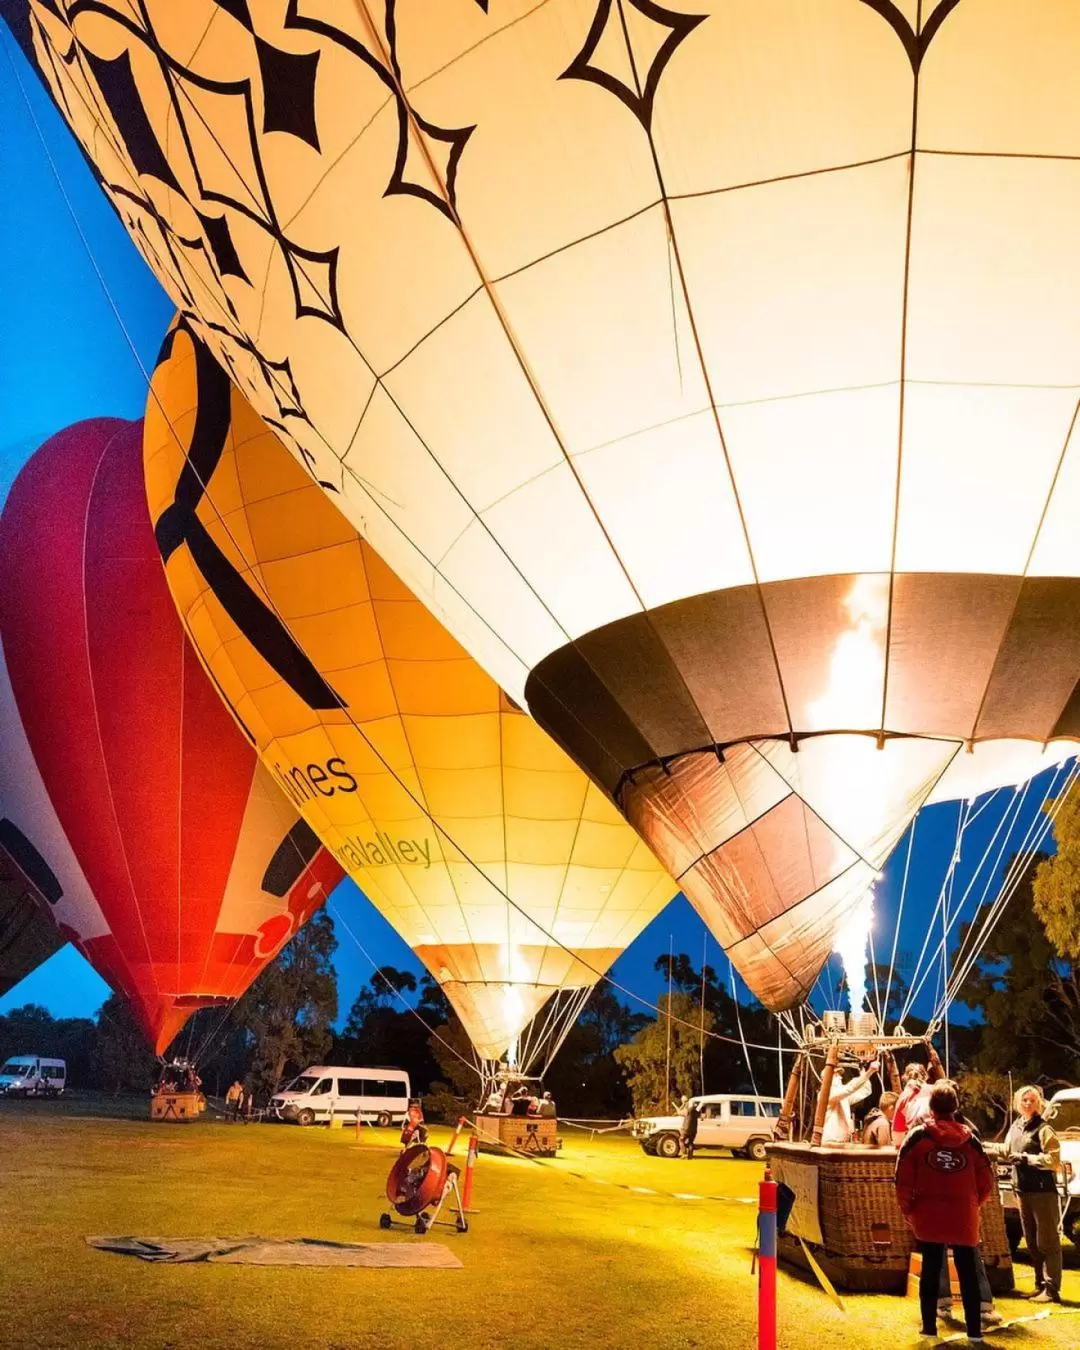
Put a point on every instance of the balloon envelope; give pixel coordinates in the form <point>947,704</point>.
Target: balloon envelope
<point>437,794</point>
<point>161,845</point>
<point>709,370</point>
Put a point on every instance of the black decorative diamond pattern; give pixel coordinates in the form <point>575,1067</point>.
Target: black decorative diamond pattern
<point>288,84</point>
<point>216,230</point>
<point>640,96</point>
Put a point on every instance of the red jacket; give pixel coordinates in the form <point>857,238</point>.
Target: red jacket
<point>942,1181</point>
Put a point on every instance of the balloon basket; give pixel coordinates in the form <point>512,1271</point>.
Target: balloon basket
<point>533,1135</point>
<point>181,1107</point>
<point>421,1181</point>
<point>841,1203</point>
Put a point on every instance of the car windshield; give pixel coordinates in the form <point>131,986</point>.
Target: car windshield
<point>302,1084</point>
<point>1067,1118</point>
<point>15,1070</point>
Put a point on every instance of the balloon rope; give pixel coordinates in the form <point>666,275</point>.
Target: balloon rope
<point>1019,866</point>
<point>1014,811</point>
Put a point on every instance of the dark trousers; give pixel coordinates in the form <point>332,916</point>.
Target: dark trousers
<point>1040,1214</point>
<point>933,1258</point>
<point>986,1294</point>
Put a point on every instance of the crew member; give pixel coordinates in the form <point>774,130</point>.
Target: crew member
<point>1033,1148</point>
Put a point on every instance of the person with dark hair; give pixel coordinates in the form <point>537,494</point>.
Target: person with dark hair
<point>1033,1149</point>
<point>877,1128</point>
<point>688,1133</point>
<point>943,1179</point>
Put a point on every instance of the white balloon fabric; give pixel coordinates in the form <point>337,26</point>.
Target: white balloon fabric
<point>710,369</point>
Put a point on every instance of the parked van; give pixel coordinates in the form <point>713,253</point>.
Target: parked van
<point>379,1095</point>
<point>742,1124</point>
<point>32,1076</point>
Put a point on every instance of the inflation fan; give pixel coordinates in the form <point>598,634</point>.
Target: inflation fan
<point>420,1181</point>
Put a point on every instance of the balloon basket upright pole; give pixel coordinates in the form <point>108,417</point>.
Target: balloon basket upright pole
<point>767,1262</point>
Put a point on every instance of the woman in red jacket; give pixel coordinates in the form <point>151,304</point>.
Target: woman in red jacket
<point>942,1181</point>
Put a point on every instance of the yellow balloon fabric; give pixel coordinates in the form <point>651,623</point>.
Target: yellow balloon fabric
<point>433,790</point>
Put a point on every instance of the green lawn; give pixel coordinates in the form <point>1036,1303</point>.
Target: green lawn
<point>551,1260</point>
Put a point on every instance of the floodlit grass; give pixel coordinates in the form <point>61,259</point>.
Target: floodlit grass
<point>551,1260</point>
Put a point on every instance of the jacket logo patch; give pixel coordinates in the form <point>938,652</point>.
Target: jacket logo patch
<point>947,1160</point>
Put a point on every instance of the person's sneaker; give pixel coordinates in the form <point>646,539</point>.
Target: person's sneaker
<point>991,1318</point>
<point>1046,1296</point>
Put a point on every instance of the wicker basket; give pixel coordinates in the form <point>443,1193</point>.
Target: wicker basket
<point>866,1243</point>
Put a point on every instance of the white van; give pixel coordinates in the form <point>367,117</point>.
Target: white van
<point>32,1076</point>
<point>379,1095</point>
<point>744,1125</point>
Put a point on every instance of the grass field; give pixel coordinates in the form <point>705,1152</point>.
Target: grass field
<point>551,1260</point>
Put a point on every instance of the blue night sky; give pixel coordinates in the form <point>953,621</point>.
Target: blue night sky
<point>64,357</point>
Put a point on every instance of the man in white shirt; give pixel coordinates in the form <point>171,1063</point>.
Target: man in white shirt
<point>839,1125</point>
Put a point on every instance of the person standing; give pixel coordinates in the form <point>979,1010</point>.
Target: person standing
<point>877,1128</point>
<point>688,1133</point>
<point>234,1100</point>
<point>913,1106</point>
<point>839,1125</point>
<point>943,1179</point>
<point>1033,1148</point>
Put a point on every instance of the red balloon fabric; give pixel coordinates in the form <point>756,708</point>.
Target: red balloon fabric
<point>177,866</point>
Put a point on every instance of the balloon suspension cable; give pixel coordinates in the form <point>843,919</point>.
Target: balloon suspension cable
<point>975,939</point>
<point>742,1038</point>
<point>1041,825</point>
<point>900,913</point>
<point>339,917</point>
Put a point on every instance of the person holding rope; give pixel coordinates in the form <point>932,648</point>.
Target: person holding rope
<point>1033,1149</point>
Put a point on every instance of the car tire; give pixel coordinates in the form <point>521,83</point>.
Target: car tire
<point>1069,1227</point>
<point>668,1146</point>
<point>305,1117</point>
<point>384,1121</point>
<point>1014,1230</point>
<point>755,1150</point>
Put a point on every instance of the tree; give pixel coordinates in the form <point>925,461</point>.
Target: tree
<point>1056,891</point>
<point>125,1062</point>
<point>1026,994</point>
<point>380,993</point>
<point>291,1005</point>
<point>662,1061</point>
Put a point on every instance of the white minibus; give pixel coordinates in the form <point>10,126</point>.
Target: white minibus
<point>324,1090</point>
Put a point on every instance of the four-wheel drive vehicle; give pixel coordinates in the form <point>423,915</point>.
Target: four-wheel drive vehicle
<point>379,1095</point>
<point>1063,1113</point>
<point>32,1076</point>
<point>742,1124</point>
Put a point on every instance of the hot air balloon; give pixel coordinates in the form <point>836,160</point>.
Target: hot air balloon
<point>510,875</point>
<point>129,802</point>
<point>709,370</point>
